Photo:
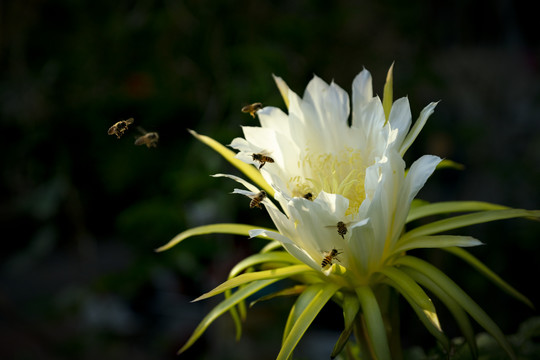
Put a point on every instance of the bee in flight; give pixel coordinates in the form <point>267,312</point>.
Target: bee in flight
<point>257,199</point>
<point>263,158</point>
<point>252,109</point>
<point>150,139</point>
<point>120,127</point>
<point>309,196</point>
<point>329,256</point>
<point>341,228</point>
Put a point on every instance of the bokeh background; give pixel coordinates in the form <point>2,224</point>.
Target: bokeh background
<point>82,212</point>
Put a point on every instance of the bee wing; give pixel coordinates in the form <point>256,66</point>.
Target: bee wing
<point>141,130</point>
<point>129,121</point>
<point>266,152</point>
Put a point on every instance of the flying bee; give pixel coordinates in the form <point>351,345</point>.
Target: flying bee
<point>309,196</point>
<point>150,139</point>
<point>263,158</point>
<point>257,199</point>
<point>329,256</point>
<point>341,228</point>
<point>120,127</point>
<point>252,109</point>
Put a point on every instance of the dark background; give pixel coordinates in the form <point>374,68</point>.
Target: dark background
<point>81,211</point>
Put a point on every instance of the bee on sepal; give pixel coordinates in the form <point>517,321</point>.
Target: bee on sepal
<point>341,228</point>
<point>150,139</point>
<point>262,157</point>
<point>256,198</point>
<point>252,109</point>
<point>120,127</point>
<point>330,256</point>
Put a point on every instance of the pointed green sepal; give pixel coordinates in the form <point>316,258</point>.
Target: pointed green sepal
<point>464,300</point>
<point>457,311</point>
<point>237,229</point>
<point>314,302</point>
<point>467,220</point>
<point>242,279</point>
<point>374,322</point>
<point>249,170</point>
<point>350,306</point>
<point>487,272</point>
<point>434,241</point>
<point>423,209</point>
<point>388,97</point>
<point>294,290</point>
<point>225,306</point>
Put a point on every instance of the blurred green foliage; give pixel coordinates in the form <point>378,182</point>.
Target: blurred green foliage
<point>81,211</point>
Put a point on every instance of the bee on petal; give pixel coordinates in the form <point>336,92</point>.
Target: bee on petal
<point>120,127</point>
<point>308,196</point>
<point>329,256</point>
<point>252,109</point>
<point>263,158</point>
<point>341,228</point>
<point>150,139</point>
<point>257,199</point>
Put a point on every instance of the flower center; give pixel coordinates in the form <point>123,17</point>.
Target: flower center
<point>342,173</point>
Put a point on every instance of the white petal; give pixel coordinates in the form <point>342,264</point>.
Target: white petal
<point>274,118</point>
<point>289,245</point>
<point>362,90</point>
<point>248,185</point>
<point>283,88</point>
<point>400,118</point>
<point>417,127</point>
<point>417,176</point>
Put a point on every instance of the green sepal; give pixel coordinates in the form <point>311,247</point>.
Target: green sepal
<point>487,272</point>
<point>466,220</point>
<point>311,305</point>
<point>449,164</point>
<point>409,288</point>
<point>350,305</point>
<point>388,97</point>
<point>269,257</point>
<point>224,306</point>
<point>433,328</point>
<point>464,300</point>
<point>434,241</point>
<point>245,278</point>
<point>237,229</point>
<point>457,311</point>
<point>446,207</point>
<point>374,322</point>
<point>294,290</point>
<point>272,245</point>
<point>249,170</point>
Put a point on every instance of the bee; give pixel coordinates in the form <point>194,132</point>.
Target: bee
<point>329,256</point>
<point>252,109</point>
<point>120,127</point>
<point>262,158</point>
<point>257,199</point>
<point>150,139</point>
<point>309,196</point>
<point>341,228</point>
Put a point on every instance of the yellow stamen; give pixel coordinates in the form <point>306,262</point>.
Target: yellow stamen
<point>342,173</point>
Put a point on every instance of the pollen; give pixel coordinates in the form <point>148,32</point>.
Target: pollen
<point>340,173</point>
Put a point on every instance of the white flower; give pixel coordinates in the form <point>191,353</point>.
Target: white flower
<point>353,171</point>
<point>344,197</point>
